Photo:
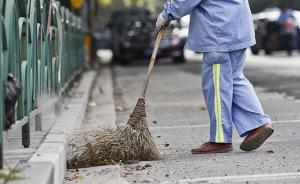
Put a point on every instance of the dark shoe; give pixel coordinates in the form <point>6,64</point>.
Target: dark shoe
<point>210,147</point>
<point>257,137</point>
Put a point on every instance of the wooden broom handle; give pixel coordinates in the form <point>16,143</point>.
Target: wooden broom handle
<point>151,65</point>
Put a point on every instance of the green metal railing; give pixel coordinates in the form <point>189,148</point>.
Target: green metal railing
<point>42,46</point>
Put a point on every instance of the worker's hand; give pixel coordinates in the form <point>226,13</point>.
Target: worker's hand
<point>161,23</point>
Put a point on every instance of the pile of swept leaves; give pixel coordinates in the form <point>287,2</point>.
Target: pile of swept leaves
<point>124,144</point>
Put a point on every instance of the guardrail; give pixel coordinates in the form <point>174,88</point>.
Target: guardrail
<point>41,44</point>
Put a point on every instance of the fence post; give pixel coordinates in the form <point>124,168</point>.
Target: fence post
<point>38,117</point>
<point>1,85</point>
<point>29,76</point>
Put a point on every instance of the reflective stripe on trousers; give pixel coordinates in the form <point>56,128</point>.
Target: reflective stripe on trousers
<point>217,103</point>
<point>230,98</point>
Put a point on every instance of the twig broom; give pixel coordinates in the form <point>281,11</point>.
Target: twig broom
<point>133,142</point>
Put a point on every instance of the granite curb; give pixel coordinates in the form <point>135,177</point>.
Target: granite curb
<point>101,115</point>
<point>48,164</point>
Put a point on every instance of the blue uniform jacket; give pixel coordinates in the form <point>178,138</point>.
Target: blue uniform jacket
<point>216,25</point>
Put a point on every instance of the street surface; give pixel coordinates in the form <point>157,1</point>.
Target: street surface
<point>179,121</point>
<point>278,73</point>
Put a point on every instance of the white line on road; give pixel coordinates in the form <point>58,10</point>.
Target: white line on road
<point>240,178</point>
<point>180,126</point>
<point>207,125</point>
<point>287,121</point>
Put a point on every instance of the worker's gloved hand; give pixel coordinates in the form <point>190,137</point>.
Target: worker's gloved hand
<point>161,23</point>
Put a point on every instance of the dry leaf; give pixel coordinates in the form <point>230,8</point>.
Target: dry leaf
<point>92,104</point>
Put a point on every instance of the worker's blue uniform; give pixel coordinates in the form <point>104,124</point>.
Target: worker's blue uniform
<point>222,30</point>
<point>229,96</point>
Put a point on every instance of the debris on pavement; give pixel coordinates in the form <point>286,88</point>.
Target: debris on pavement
<point>142,167</point>
<point>92,104</point>
<point>166,145</point>
<point>148,165</point>
<point>131,169</point>
<point>120,109</point>
<point>75,177</point>
<point>101,90</point>
<point>126,173</point>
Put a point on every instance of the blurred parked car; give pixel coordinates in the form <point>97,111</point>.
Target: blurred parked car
<point>182,27</point>
<point>116,25</point>
<point>133,39</point>
<point>269,36</point>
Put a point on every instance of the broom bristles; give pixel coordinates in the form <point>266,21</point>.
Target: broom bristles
<point>133,142</point>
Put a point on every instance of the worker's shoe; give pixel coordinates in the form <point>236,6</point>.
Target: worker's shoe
<point>257,137</point>
<point>210,147</point>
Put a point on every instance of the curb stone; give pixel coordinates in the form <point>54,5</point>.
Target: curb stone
<point>106,110</point>
<point>39,172</point>
<point>48,164</point>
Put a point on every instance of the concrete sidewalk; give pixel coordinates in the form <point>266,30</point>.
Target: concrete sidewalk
<point>45,161</point>
<point>100,115</point>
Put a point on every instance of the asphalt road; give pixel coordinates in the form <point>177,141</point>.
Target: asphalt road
<point>179,121</point>
<point>277,73</point>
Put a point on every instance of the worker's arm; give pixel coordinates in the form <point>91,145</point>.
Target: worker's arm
<point>178,8</point>
<point>174,10</point>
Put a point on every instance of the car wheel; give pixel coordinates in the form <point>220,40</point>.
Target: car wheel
<point>115,60</point>
<point>123,59</point>
<point>124,62</point>
<point>179,59</point>
<point>254,51</point>
<point>268,52</point>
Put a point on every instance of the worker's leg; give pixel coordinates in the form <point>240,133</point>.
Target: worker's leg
<point>247,112</point>
<point>217,88</point>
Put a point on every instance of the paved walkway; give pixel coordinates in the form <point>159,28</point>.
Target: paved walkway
<point>14,152</point>
<point>44,161</point>
<point>179,121</point>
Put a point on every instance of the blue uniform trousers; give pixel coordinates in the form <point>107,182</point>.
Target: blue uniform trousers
<point>230,98</point>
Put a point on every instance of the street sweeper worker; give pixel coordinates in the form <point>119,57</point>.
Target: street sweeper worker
<point>222,30</point>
